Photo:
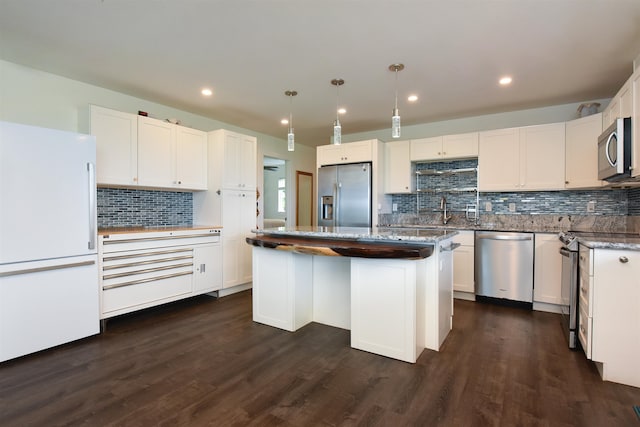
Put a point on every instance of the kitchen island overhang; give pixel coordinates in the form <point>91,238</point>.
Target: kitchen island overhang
<point>391,288</point>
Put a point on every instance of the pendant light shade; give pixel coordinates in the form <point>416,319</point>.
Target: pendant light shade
<point>337,128</point>
<point>395,117</point>
<point>290,136</point>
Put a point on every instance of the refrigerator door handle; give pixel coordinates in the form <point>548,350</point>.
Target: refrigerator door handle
<point>336,203</point>
<point>41,269</point>
<point>92,205</point>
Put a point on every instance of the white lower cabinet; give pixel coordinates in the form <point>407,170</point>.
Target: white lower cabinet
<point>207,274</point>
<point>141,270</point>
<point>282,288</point>
<point>610,308</point>
<point>463,262</point>
<point>386,302</point>
<point>239,218</point>
<point>393,307</point>
<point>547,272</point>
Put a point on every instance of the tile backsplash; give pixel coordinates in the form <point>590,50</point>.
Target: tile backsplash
<point>567,202</point>
<point>132,208</point>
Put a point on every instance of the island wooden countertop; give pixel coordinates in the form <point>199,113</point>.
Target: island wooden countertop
<point>343,247</point>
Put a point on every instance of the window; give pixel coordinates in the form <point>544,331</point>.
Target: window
<point>282,195</point>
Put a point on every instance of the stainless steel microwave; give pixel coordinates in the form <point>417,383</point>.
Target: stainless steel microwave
<point>614,151</point>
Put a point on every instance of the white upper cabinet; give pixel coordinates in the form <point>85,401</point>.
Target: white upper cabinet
<point>116,146</point>
<point>352,152</point>
<point>156,153</point>
<point>522,159</point>
<point>171,156</point>
<point>236,156</point>
<point>397,174</point>
<point>499,160</point>
<point>581,152</point>
<point>542,157</point>
<point>191,158</point>
<point>140,151</point>
<point>445,147</point>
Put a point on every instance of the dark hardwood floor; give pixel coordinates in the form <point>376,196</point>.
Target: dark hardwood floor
<point>204,362</point>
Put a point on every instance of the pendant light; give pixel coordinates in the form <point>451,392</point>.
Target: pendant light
<point>337,129</point>
<point>395,118</point>
<point>290,135</point>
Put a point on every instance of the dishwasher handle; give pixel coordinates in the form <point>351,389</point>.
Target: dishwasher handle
<point>503,237</point>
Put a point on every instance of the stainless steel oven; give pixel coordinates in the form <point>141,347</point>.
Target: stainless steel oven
<point>569,253</point>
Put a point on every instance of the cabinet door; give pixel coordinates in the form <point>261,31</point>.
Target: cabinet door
<point>207,265</point>
<point>352,152</point>
<point>542,157</point>
<point>463,262</point>
<point>498,160</point>
<point>547,272</point>
<point>635,124</point>
<point>426,149</point>
<point>616,318</point>
<point>239,161</point>
<point>397,172</point>
<point>581,152</point>
<point>614,111</point>
<point>329,155</point>
<point>460,146</point>
<point>156,153</point>
<point>248,223</point>
<point>238,218</point>
<point>191,158</point>
<point>116,146</point>
<point>248,162</point>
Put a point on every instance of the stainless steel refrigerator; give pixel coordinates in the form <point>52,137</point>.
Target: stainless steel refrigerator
<point>344,193</point>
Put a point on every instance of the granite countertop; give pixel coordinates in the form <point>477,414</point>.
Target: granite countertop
<point>146,229</point>
<point>412,235</point>
<point>627,241</point>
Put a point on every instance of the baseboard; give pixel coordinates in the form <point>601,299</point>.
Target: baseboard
<point>549,308</point>
<point>234,290</point>
<point>468,296</point>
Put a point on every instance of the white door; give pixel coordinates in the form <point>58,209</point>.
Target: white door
<point>47,193</point>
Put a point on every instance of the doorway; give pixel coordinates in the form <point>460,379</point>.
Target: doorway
<point>274,192</point>
<point>304,198</point>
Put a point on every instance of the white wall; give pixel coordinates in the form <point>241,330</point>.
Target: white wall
<point>534,116</point>
<point>39,98</point>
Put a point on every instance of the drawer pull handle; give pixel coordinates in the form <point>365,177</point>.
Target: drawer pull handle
<point>144,254</point>
<point>152,261</point>
<point>136,282</point>
<point>112,242</point>
<point>147,270</point>
<point>624,259</point>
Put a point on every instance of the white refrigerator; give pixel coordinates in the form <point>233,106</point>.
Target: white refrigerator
<point>48,257</point>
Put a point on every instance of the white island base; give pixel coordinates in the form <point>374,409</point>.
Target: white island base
<point>393,307</point>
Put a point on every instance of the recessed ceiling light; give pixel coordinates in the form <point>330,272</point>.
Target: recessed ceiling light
<point>412,98</point>
<point>206,92</point>
<point>284,121</point>
<point>342,110</point>
<point>505,80</point>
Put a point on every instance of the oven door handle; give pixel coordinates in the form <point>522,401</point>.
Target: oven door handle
<point>565,252</point>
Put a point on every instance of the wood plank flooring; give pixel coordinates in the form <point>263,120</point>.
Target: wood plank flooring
<point>205,362</point>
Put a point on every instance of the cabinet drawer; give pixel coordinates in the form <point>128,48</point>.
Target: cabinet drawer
<point>586,260</point>
<point>145,294</point>
<point>584,332</point>
<point>585,294</point>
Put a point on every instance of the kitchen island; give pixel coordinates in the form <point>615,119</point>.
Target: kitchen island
<point>392,288</point>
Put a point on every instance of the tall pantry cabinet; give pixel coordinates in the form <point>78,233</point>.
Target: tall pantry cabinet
<point>230,200</point>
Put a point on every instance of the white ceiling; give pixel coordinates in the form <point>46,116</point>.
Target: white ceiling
<point>251,51</point>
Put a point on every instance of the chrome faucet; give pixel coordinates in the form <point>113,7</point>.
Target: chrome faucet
<point>443,207</point>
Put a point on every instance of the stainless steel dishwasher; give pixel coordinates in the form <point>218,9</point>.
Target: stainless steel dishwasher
<point>504,267</point>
